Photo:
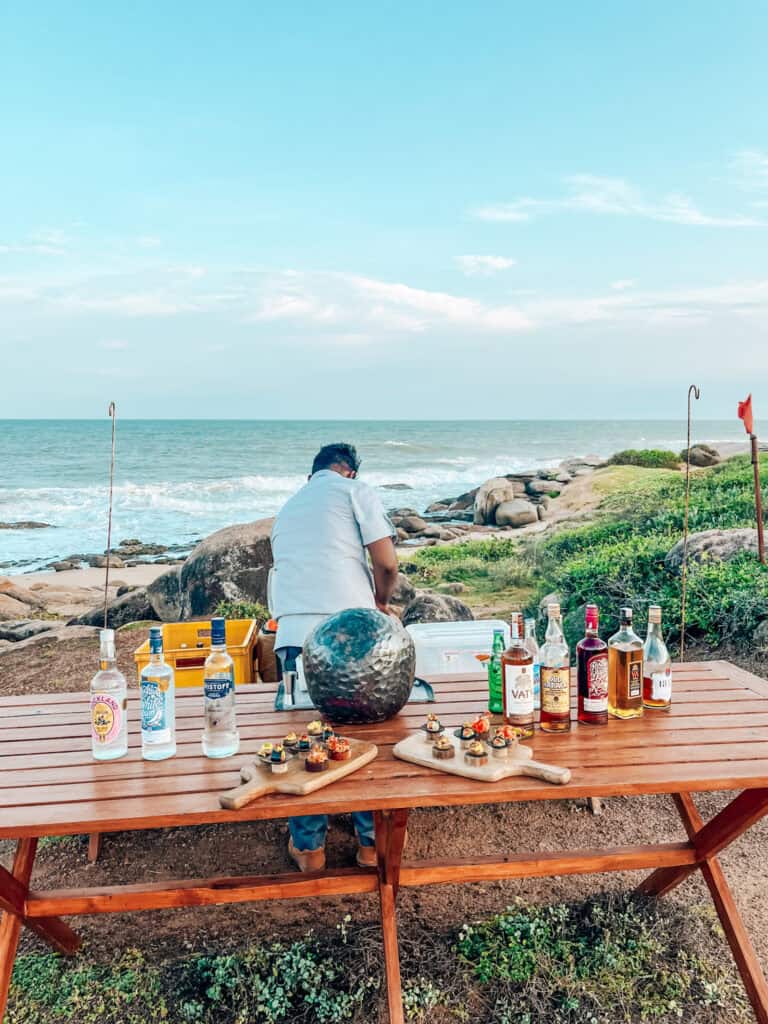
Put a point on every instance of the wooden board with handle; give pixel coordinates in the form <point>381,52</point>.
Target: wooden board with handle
<point>518,762</point>
<point>259,779</point>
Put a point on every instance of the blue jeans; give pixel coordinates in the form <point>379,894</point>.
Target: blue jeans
<point>309,830</point>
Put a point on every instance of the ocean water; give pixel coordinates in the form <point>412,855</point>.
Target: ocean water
<point>178,480</point>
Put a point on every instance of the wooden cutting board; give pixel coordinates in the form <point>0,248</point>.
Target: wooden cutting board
<point>258,779</point>
<point>520,762</point>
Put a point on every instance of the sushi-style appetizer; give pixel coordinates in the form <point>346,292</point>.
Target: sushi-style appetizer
<point>265,750</point>
<point>476,754</point>
<point>279,759</point>
<point>482,727</point>
<point>315,730</point>
<point>443,748</point>
<point>500,745</point>
<point>465,734</point>
<point>291,740</point>
<point>338,748</point>
<point>317,759</point>
<point>433,727</point>
<point>328,731</point>
<point>304,743</point>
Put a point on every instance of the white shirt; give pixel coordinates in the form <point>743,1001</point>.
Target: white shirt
<point>318,546</point>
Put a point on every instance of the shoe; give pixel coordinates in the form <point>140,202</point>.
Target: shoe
<point>366,856</point>
<point>307,860</point>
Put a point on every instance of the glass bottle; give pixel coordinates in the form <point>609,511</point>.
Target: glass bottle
<point>220,735</point>
<point>158,710</point>
<point>555,676</point>
<point>625,670</point>
<point>592,672</point>
<point>109,703</point>
<point>517,676</point>
<point>495,696</point>
<point>657,673</point>
<point>533,647</point>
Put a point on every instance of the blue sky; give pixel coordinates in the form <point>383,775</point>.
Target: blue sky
<point>391,210</point>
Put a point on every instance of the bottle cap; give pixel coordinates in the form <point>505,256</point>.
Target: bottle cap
<point>654,614</point>
<point>592,616</point>
<point>553,611</point>
<point>155,639</point>
<point>626,614</point>
<point>218,631</point>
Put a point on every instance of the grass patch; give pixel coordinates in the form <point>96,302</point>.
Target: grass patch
<point>648,458</point>
<point>242,610</point>
<point>609,960</point>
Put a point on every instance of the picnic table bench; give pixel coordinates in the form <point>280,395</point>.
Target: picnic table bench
<point>714,738</point>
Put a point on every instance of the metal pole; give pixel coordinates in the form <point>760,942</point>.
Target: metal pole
<point>113,415</point>
<point>758,499</point>
<point>696,393</point>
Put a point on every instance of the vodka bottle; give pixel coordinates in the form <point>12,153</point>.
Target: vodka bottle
<point>495,698</point>
<point>533,648</point>
<point>555,676</point>
<point>625,670</point>
<point>220,736</point>
<point>517,674</point>
<point>657,681</point>
<point>158,712</point>
<point>109,699</point>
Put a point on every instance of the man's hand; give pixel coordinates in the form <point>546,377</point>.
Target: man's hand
<point>387,609</point>
<point>384,562</point>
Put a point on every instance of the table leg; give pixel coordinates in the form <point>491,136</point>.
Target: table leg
<point>94,846</point>
<point>390,837</point>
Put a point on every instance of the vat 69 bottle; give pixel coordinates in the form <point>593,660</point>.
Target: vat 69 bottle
<point>625,670</point>
<point>220,735</point>
<point>517,678</point>
<point>592,672</point>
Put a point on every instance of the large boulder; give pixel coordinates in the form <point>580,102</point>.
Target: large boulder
<point>23,629</point>
<point>427,607</point>
<point>411,524</point>
<point>540,486</point>
<point>717,545</point>
<point>131,607</point>
<point>403,593</point>
<point>164,594</point>
<point>701,455</point>
<point>493,493</point>
<point>11,609</point>
<point>517,512</point>
<point>231,565</point>
<point>11,589</point>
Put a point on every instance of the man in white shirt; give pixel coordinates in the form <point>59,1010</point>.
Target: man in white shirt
<point>319,544</point>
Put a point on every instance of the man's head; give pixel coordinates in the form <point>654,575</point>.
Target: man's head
<point>341,458</point>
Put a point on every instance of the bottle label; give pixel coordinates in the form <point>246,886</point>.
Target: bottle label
<point>154,711</point>
<point>518,689</point>
<point>218,688</point>
<point>661,686</point>
<point>635,679</point>
<point>555,690</point>
<point>596,700</point>
<point>106,718</point>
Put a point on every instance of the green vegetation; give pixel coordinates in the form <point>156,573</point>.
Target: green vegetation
<point>618,558</point>
<point>648,458</point>
<point>242,610</point>
<point>605,961</point>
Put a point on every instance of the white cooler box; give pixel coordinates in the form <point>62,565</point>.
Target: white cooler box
<point>451,648</point>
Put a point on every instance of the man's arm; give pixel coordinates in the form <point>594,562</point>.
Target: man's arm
<point>384,563</point>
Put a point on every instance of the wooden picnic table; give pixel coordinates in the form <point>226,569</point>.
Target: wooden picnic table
<point>714,738</point>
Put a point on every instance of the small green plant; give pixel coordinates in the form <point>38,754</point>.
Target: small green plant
<point>243,610</point>
<point>648,458</point>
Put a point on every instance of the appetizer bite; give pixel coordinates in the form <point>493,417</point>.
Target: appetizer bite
<point>328,731</point>
<point>443,748</point>
<point>500,745</point>
<point>279,759</point>
<point>338,748</point>
<point>432,728</point>
<point>315,730</point>
<point>317,759</point>
<point>476,754</point>
<point>305,743</point>
<point>265,750</point>
<point>291,740</point>
<point>465,734</point>
<point>481,727</point>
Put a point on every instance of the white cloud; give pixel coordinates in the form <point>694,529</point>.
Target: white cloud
<point>622,284</point>
<point>592,193</point>
<point>750,167</point>
<point>484,266</point>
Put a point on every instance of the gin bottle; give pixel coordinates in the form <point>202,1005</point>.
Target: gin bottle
<point>532,646</point>
<point>220,736</point>
<point>555,676</point>
<point>625,670</point>
<point>158,712</point>
<point>657,674</point>
<point>495,698</point>
<point>109,700</point>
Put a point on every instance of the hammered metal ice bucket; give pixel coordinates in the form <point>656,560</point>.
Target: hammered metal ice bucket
<point>359,666</point>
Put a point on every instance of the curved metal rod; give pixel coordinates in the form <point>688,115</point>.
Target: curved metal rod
<point>694,391</point>
<point>111,412</point>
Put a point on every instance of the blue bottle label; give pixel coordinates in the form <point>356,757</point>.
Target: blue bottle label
<point>154,710</point>
<point>218,688</point>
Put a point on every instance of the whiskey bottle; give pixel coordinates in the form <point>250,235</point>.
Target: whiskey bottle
<point>517,676</point>
<point>592,672</point>
<point>657,674</point>
<point>555,676</point>
<point>625,670</point>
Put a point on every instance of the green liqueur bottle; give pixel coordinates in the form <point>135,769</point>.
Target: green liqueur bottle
<point>495,696</point>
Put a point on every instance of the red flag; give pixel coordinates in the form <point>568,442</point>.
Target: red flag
<point>745,413</point>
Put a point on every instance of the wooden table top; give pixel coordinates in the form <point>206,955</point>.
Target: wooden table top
<point>714,738</point>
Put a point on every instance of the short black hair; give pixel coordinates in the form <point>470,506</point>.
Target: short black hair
<point>336,455</point>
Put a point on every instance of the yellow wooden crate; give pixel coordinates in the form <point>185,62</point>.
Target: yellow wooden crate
<point>186,645</point>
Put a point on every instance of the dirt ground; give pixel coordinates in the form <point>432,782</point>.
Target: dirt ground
<point>261,847</point>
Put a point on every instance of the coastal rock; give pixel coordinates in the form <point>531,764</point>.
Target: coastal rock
<point>53,635</point>
<point>25,524</point>
<point>396,487</point>
<point>518,512</point>
<point>582,465</point>
<point>436,506</point>
<point>133,547</point>
<point>548,487</point>
<point>412,524</point>
<point>231,565</point>
<point>132,607</point>
<point>23,629</point>
<point>100,561</point>
<point>541,511</point>
<point>760,637</point>
<point>164,595</point>
<point>493,493</point>
<point>63,566</point>
<point>11,609</point>
<point>451,588</point>
<point>428,607</point>
<point>715,545</point>
<point>402,534</point>
<point>403,593</point>
<point>702,455</point>
<point>18,593</point>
